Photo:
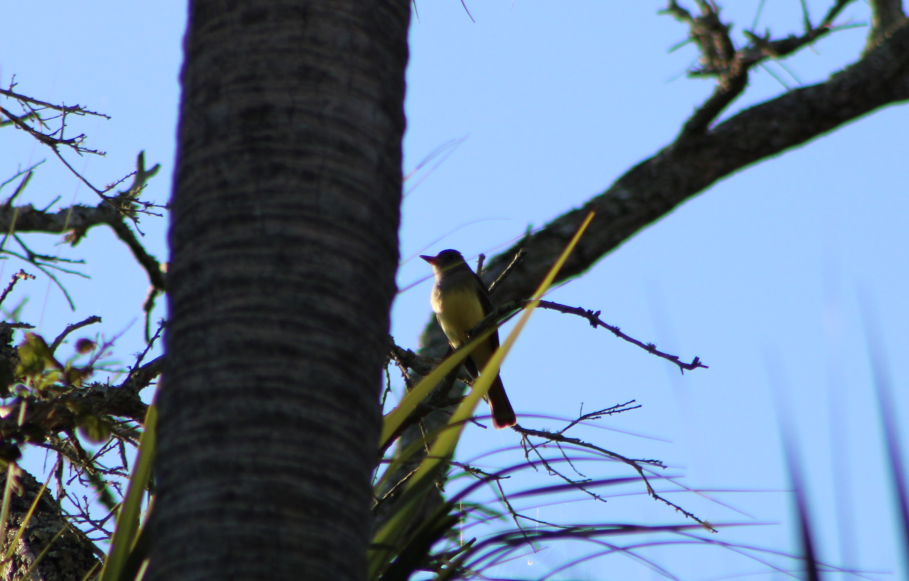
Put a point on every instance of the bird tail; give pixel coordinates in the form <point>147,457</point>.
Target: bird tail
<point>502,412</point>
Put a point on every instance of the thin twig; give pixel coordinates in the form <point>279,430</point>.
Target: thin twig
<point>593,317</point>
<point>70,328</point>
<point>72,109</point>
<point>595,321</point>
<point>148,347</point>
<point>514,262</point>
<point>42,268</point>
<point>387,389</point>
<point>397,354</point>
<point>616,409</point>
<point>525,442</point>
<point>636,464</point>
<point>20,187</point>
<point>16,277</point>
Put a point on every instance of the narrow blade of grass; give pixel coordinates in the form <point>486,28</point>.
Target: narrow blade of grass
<point>128,519</point>
<point>28,516</point>
<point>396,417</point>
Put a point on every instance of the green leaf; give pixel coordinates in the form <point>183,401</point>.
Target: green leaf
<point>76,375</point>
<point>93,428</point>
<point>418,548</point>
<point>34,356</point>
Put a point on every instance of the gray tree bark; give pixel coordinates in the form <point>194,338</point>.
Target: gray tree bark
<point>284,248</point>
<point>65,552</point>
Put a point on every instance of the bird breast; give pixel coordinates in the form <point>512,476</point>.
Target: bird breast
<point>458,311</point>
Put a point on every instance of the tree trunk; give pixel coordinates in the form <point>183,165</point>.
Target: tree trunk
<point>65,552</point>
<point>284,249</point>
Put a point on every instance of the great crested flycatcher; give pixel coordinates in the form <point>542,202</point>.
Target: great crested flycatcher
<point>460,301</point>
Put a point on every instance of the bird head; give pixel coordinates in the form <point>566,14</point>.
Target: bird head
<point>444,260</point>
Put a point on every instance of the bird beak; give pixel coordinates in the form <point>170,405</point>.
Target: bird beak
<point>429,259</point>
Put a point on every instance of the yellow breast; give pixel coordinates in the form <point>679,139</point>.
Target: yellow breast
<point>458,311</point>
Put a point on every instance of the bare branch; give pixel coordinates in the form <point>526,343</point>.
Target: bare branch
<point>886,16</point>
<point>514,263</point>
<point>126,203</point>
<point>636,464</point>
<point>70,328</point>
<point>70,109</point>
<point>506,311</point>
<point>141,357</point>
<point>653,188</point>
<point>21,275</point>
<point>148,262</point>
<point>720,59</point>
<point>616,409</point>
<point>75,143</point>
<point>75,221</point>
<point>21,186</point>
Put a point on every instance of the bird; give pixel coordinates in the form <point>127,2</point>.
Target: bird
<point>460,301</point>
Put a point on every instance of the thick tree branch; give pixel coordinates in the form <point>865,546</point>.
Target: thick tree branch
<point>886,16</point>
<point>653,188</point>
<point>720,59</point>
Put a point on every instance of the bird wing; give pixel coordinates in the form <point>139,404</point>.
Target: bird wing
<point>486,303</point>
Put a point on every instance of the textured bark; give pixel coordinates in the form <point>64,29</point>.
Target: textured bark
<point>69,558</point>
<point>72,554</point>
<point>284,249</point>
<point>886,16</point>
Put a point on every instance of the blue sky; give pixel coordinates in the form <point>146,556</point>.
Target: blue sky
<point>551,103</point>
